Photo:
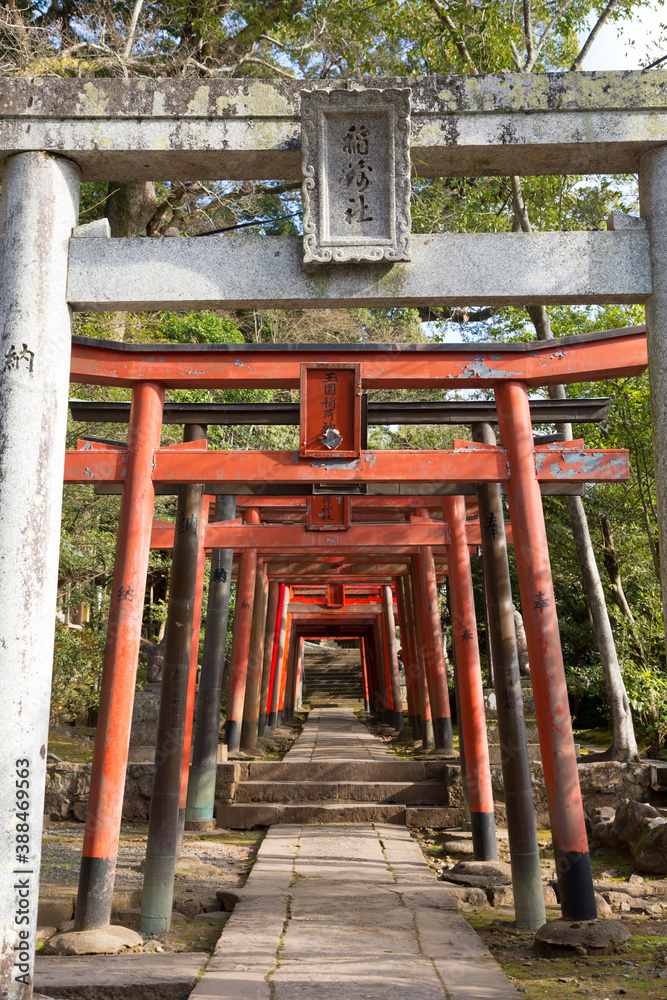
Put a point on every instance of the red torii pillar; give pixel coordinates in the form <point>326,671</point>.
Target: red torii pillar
<point>274,712</point>
<point>552,710</point>
<point>428,609</point>
<point>471,695</point>
<point>107,781</point>
<point>392,650</point>
<point>245,597</point>
<point>276,590</point>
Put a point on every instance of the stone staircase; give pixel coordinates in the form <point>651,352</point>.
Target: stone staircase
<point>332,676</point>
<point>410,793</point>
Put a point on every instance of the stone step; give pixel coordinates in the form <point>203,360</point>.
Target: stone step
<point>432,792</point>
<point>381,771</point>
<point>244,816</point>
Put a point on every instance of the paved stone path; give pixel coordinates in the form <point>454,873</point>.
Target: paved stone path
<point>336,734</point>
<point>347,911</point>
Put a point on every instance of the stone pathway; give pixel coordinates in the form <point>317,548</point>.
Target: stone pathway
<point>336,734</point>
<point>347,911</point>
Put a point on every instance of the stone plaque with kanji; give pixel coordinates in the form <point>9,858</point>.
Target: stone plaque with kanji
<point>356,175</point>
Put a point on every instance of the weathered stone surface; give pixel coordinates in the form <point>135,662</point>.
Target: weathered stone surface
<point>235,271</point>
<point>218,917</point>
<point>140,976</point>
<point>649,846</point>
<point>43,934</point>
<point>493,124</point>
<point>581,937</point>
<point>475,881</point>
<point>483,868</point>
<point>228,898</point>
<point>630,817</point>
<point>54,911</point>
<point>433,818</point>
<point>102,941</point>
<point>500,895</point>
<point>657,888</point>
<point>467,894</point>
<point>356,174</point>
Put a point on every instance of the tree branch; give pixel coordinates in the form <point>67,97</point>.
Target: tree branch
<point>458,38</point>
<point>545,34</point>
<point>602,20</point>
<point>431,314</point>
<point>528,33</point>
<point>132,29</point>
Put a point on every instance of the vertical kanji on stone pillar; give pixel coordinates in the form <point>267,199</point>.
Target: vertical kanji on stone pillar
<point>472,720</point>
<point>552,710</point>
<point>40,199</point>
<point>201,785</point>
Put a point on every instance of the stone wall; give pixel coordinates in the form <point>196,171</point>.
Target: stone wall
<point>603,783</point>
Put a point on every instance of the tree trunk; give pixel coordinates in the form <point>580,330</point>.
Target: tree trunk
<point>613,569</point>
<point>521,644</point>
<point>624,745</point>
<point>128,209</point>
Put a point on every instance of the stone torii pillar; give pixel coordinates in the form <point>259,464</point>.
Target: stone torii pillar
<point>40,200</point>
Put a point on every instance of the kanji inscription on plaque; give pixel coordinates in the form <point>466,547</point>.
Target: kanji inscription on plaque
<point>356,175</point>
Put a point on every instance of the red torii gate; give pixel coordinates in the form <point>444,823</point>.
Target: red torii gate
<point>510,370</point>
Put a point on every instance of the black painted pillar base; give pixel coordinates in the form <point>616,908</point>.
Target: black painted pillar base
<point>279,718</point>
<point>232,735</point>
<point>271,720</point>
<point>428,739</point>
<point>261,724</point>
<point>399,721</point>
<point>575,885</point>
<point>483,829</point>
<point>95,895</point>
<point>367,705</point>
<point>249,735</point>
<point>442,731</point>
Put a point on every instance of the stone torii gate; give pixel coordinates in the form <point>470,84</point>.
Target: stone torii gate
<point>54,133</point>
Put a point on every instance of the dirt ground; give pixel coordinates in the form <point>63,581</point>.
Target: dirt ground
<point>638,972</point>
<point>227,858</point>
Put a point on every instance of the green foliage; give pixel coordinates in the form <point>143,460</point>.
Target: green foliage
<point>77,668</point>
